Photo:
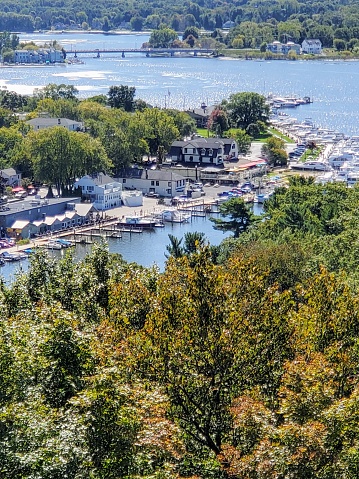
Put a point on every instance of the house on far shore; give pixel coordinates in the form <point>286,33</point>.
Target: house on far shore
<point>42,55</point>
<point>160,182</point>
<point>203,151</point>
<point>284,48</point>
<point>40,123</point>
<point>9,177</point>
<point>101,190</point>
<point>312,46</point>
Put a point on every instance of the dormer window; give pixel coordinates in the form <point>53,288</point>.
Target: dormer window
<point>203,151</point>
<point>210,152</point>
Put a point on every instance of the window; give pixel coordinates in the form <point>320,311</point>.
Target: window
<point>152,183</point>
<point>168,191</point>
<point>157,183</point>
<point>90,188</point>
<point>124,180</point>
<point>210,152</point>
<point>169,183</point>
<point>203,151</point>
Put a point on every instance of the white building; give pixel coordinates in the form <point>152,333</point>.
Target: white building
<point>9,177</point>
<point>40,123</point>
<point>42,55</point>
<point>102,191</point>
<point>312,46</point>
<point>160,182</point>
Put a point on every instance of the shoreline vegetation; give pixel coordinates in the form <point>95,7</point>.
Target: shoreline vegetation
<point>328,54</point>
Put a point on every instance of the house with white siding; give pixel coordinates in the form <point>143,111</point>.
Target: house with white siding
<point>312,46</point>
<point>161,182</point>
<point>102,191</point>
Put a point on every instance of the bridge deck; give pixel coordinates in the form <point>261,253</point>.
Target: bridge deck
<point>146,51</point>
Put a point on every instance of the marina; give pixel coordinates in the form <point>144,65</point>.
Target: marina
<point>329,118</point>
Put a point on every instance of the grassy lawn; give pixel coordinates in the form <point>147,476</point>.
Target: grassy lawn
<point>263,137</point>
<point>277,133</point>
<point>204,132</point>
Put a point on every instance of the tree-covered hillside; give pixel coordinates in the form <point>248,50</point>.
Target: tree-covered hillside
<point>237,362</point>
<point>279,19</point>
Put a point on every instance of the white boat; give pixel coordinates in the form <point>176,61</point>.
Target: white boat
<point>174,216</point>
<point>53,244</point>
<point>311,165</point>
<point>138,221</point>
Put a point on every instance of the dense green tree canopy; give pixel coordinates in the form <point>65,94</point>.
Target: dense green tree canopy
<point>114,370</point>
<point>236,216</point>
<point>254,23</point>
<point>60,156</point>
<point>246,108</point>
<point>121,97</point>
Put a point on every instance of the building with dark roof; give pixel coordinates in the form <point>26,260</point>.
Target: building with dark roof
<point>34,209</point>
<point>204,151</point>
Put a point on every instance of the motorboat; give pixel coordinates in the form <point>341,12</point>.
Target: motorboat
<point>138,221</point>
<point>53,244</point>
<point>65,243</point>
<point>174,216</point>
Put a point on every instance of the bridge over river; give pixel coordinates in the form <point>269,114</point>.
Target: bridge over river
<point>145,51</point>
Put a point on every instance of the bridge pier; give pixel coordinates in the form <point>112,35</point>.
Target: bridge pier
<point>172,54</point>
<point>195,53</point>
<point>75,55</point>
<point>98,54</point>
<point>123,54</point>
<point>147,54</point>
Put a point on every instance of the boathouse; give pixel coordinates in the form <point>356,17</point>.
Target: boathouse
<point>35,209</point>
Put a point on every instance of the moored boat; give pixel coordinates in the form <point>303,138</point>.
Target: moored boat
<point>53,244</point>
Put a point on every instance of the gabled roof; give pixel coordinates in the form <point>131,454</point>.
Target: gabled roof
<point>20,224</point>
<point>313,41</point>
<point>213,143</point>
<point>8,172</point>
<point>83,209</point>
<point>48,122</point>
<point>102,179</point>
